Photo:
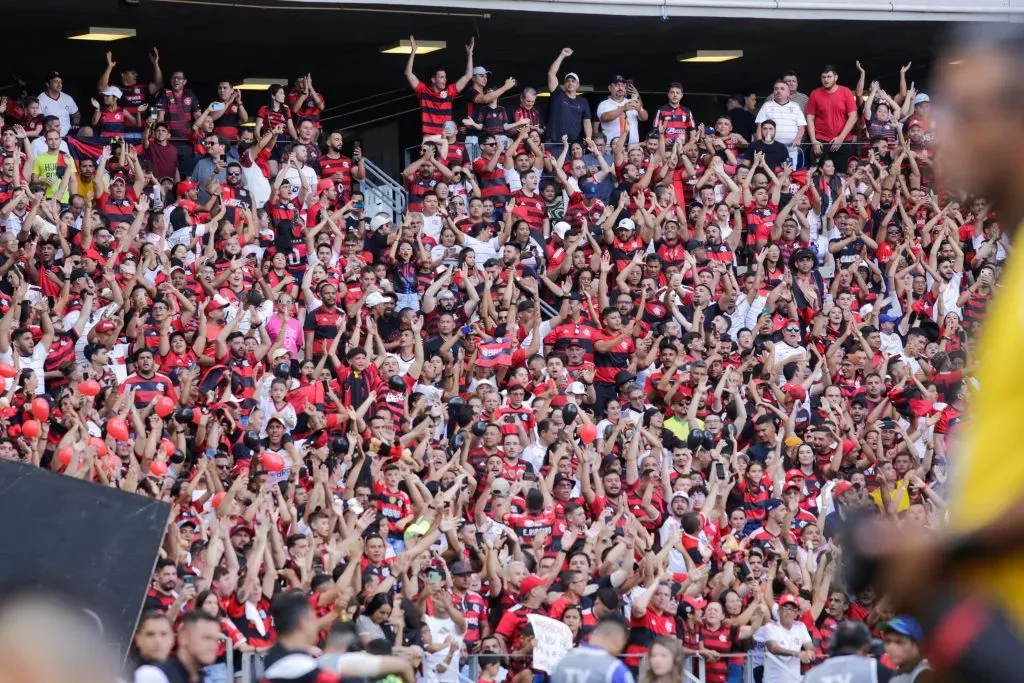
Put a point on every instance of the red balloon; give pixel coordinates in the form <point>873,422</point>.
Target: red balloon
<point>158,467</point>
<point>117,428</point>
<point>272,461</point>
<point>7,370</point>
<point>89,387</point>
<point>30,428</point>
<point>164,406</point>
<point>168,447</point>
<point>588,433</point>
<point>40,408</point>
<point>99,444</point>
<point>65,454</point>
<point>216,500</point>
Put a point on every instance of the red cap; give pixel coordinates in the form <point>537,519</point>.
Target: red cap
<point>795,474</point>
<point>696,603</point>
<point>185,186</point>
<point>324,185</point>
<point>529,582</point>
<point>789,599</point>
<point>914,121</point>
<point>841,488</point>
<point>94,255</point>
<point>796,391</point>
<point>213,304</point>
<point>104,326</point>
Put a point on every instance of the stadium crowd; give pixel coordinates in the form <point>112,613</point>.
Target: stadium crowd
<point>609,361</point>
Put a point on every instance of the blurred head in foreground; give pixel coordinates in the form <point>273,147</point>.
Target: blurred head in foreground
<point>45,638</point>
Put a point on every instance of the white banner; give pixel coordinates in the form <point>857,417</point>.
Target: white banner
<point>552,639</point>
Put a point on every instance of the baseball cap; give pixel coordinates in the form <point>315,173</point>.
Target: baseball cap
<point>576,388</point>
<point>841,488</point>
<point>623,376</point>
<point>529,582</point>
<point>560,228</point>
<point>445,294</point>
<point>921,98</point>
<point>914,122</point>
<point>589,190</point>
<point>113,90</point>
<point>771,504</point>
<point>571,74</point>
<point>618,78</point>
<point>186,185</point>
<point>460,569</point>
<point>104,326</point>
<point>692,245</point>
<point>379,221</point>
<point>905,626</point>
<point>559,478</point>
<point>242,528</point>
<point>796,391</point>
<point>375,299</point>
<point>118,178</point>
<point>480,71</point>
<point>500,487</point>
<point>324,185</point>
<point>626,224</point>
<point>788,599</point>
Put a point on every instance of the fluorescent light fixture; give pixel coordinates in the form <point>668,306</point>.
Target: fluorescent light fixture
<point>249,124</point>
<point>544,94</point>
<point>956,62</point>
<point>102,34</point>
<point>259,83</point>
<point>423,47</point>
<point>585,88</point>
<point>710,56</point>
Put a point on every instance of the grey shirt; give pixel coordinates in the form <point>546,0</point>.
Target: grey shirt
<point>205,169</point>
<point>848,669</point>
<point>589,664</point>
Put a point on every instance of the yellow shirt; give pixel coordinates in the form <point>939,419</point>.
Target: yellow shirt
<point>987,468</point>
<point>904,504</point>
<point>52,166</point>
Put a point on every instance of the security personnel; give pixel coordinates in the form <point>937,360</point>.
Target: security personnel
<point>597,660</point>
<point>850,661</point>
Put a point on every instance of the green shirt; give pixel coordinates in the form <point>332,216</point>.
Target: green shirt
<point>52,166</point>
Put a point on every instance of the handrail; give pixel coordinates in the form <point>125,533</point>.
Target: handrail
<point>382,188</point>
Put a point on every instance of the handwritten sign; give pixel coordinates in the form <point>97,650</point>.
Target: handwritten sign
<point>552,639</point>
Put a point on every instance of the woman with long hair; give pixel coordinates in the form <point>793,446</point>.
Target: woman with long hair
<point>665,661</point>
<point>275,113</point>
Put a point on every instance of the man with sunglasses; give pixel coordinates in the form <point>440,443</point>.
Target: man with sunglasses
<point>234,194</point>
<point>211,166</point>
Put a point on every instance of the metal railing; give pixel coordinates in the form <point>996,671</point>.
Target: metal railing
<point>694,667</point>
<point>382,193</point>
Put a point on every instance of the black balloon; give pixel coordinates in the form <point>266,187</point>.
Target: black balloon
<point>339,444</point>
<point>694,439</point>
<point>251,440</point>
<point>184,416</point>
<point>458,441</point>
<point>708,442</point>
<point>397,383</point>
<point>456,401</point>
<point>177,457</point>
<point>569,413</point>
<point>462,413</point>
<point>479,427</point>
<point>283,371</point>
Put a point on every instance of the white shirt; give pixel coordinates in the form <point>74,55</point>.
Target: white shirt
<point>788,118</point>
<point>33,363</point>
<point>292,176</point>
<point>778,669</point>
<point>432,226</point>
<point>63,108</point>
<point>785,353</point>
<point>613,129</point>
<point>39,146</point>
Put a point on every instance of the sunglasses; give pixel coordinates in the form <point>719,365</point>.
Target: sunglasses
<point>488,144</point>
<point>792,329</point>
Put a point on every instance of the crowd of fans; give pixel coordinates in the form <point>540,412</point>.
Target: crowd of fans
<point>609,361</point>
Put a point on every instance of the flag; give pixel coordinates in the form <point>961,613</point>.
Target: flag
<point>494,352</point>
<point>91,147</point>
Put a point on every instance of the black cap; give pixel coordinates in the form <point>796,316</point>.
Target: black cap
<point>559,478</point>
<point>618,78</point>
<point>460,569</point>
<point>694,244</point>
<point>575,296</point>
<point>623,376</point>
<point>771,504</point>
<point>802,252</point>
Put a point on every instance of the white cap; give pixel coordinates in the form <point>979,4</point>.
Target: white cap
<point>480,71</point>
<point>627,224</point>
<point>921,97</point>
<point>375,299</point>
<point>572,74</point>
<point>576,388</point>
<point>561,227</point>
<point>113,90</point>
<point>251,250</point>
<point>379,221</point>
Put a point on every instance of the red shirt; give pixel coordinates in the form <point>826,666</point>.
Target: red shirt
<point>830,111</point>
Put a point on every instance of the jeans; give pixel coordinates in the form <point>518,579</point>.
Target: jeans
<point>408,300</point>
<point>735,671</point>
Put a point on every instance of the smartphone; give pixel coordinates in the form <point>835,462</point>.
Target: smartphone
<point>355,506</point>
<point>359,205</point>
<point>467,329</point>
<point>792,552</point>
<point>188,580</point>
<point>434,576</point>
<point>720,470</point>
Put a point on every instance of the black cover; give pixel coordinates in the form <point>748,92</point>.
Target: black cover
<point>97,543</point>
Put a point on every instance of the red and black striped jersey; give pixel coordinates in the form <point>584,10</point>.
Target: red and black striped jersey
<point>678,121</point>
<point>341,165</point>
<point>492,184</point>
<point>111,123</point>
<point>435,107</point>
<point>610,362</point>
<point>149,388</point>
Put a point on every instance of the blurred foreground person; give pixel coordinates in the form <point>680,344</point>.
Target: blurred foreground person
<point>971,623</point>
<point>198,640</point>
<point>45,639</point>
